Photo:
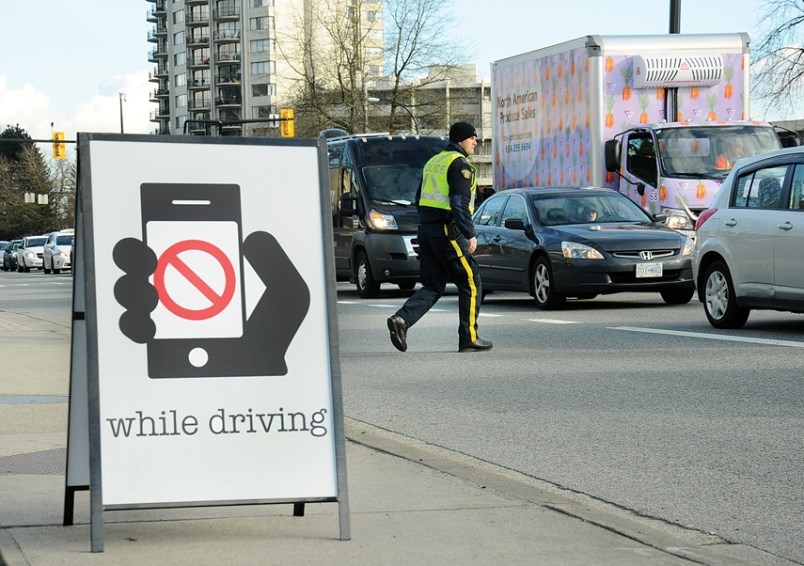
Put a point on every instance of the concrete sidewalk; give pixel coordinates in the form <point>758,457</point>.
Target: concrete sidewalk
<point>410,503</point>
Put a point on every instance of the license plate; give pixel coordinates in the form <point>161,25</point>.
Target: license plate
<point>648,270</point>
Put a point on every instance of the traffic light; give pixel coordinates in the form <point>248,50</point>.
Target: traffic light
<point>287,128</point>
<point>59,149</point>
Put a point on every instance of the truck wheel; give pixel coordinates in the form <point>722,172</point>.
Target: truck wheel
<point>720,301</point>
<point>547,298</point>
<point>677,296</point>
<point>367,287</point>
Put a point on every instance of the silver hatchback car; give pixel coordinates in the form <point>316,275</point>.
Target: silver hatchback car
<point>749,245</point>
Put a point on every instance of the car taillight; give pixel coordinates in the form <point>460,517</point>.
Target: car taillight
<point>703,217</point>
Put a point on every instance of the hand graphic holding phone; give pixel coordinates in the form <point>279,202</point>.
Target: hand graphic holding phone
<point>184,291</point>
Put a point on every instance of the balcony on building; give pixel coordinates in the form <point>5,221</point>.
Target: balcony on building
<point>158,9</point>
<point>194,2</point>
<point>227,11</point>
<point>198,39</point>
<point>227,36</point>
<point>159,93</point>
<point>158,52</point>
<point>204,103</point>
<point>198,84</point>
<point>196,61</point>
<point>228,76</point>
<point>229,101</point>
<point>162,131</point>
<point>227,57</point>
<point>160,72</point>
<point>162,114</point>
<point>199,19</point>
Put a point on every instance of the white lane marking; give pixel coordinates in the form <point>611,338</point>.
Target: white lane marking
<point>482,314</point>
<point>552,321</point>
<point>711,336</point>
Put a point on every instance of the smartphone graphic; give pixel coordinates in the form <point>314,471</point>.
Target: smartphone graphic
<point>196,233</point>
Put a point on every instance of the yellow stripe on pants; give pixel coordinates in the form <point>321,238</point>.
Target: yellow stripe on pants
<point>471,279</point>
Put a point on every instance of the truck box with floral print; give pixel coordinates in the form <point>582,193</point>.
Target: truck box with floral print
<point>661,118</point>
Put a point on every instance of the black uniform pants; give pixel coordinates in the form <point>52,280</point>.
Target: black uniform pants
<point>444,256</point>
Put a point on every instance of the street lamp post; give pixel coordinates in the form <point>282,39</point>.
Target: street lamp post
<point>122,98</point>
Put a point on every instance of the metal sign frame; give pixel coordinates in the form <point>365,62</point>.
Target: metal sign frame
<point>93,150</point>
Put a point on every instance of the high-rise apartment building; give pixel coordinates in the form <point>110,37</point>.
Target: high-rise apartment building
<point>223,67</point>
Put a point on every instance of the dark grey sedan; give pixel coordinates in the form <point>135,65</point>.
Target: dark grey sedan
<point>556,243</point>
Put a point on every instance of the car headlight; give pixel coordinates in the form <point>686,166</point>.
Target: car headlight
<point>573,250</point>
<point>678,219</point>
<point>29,255</point>
<point>689,245</point>
<point>380,221</point>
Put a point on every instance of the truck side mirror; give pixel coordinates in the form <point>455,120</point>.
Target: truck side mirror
<point>347,205</point>
<point>611,151</point>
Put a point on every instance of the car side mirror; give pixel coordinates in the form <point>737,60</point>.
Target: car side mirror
<point>661,217</point>
<point>514,223</point>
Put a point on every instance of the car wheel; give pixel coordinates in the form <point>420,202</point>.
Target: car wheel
<point>56,271</point>
<point>677,296</point>
<point>407,285</point>
<point>45,268</point>
<point>20,269</point>
<point>367,287</point>
<point>544,291</point>
<point>720,301</point>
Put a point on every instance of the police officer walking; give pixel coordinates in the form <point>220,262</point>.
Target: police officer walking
<point>446,200</point>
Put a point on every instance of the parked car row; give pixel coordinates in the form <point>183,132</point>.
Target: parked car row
<point>49,252</point>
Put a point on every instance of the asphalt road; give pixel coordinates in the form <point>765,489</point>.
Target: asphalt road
<point>623,398</point>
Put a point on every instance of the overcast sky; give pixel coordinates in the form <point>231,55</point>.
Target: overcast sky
<point>66,62</point>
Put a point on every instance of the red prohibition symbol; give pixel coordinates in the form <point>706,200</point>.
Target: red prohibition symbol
<point>171,258</point>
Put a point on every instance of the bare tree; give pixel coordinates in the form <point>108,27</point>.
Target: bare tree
<point>338,54</point>
<point>778,57</point>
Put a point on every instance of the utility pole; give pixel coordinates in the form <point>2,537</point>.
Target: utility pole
<point>671,98</point>
<point>122,97</point>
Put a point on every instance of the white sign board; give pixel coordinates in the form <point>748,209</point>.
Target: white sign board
<point>210,320</point>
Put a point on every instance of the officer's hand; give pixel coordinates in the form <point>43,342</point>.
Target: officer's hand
<point>472,245</point>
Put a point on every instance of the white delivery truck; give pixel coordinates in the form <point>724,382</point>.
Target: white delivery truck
<point>662,118</point>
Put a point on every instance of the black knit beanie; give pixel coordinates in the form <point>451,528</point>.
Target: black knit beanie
<point>461,131</point>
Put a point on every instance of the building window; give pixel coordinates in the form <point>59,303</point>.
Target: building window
<point>262,111</point>
<point>258,3</point>
<point>372,16</point>
<point>181,79</point>
<point>181,101</point>
<point>259,45</point>
<point>178,38</point>
<point>179,59</point>
<point>178,17</point>
<point>258,23</point>
<point>259,68</point>
<point>259,90</point>
<point>180,123</point>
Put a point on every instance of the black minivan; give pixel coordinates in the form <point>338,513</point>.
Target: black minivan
<point>373,180</point>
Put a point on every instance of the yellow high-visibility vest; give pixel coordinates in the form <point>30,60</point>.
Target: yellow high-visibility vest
<point>435,186</point>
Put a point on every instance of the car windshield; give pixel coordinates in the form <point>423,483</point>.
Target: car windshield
<point>36,241</point>
<point>64,240</point>
<point>710,150</point>
<point>395,184</point>
<point>392,168</point>
<point>554,210</point>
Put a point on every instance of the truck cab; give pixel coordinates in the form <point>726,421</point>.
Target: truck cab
<point>676,168</point>
<point>373,180</point>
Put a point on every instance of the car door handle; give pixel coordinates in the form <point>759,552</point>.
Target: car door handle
<point>498,238</point>
<point>731,222</point>
<point>786,226</point>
